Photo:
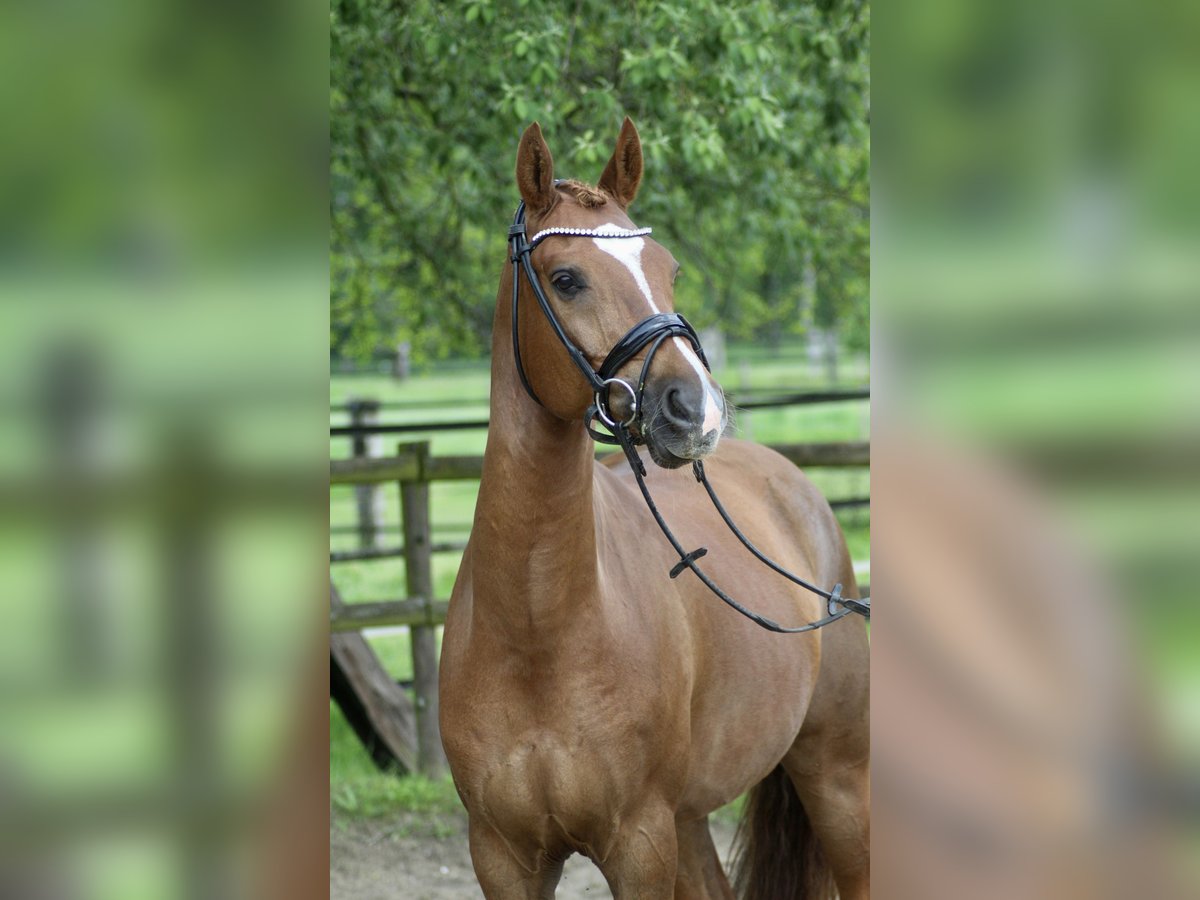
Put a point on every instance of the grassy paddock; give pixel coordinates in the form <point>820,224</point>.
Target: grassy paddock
<point>358,790</point>
<point>459,392</point>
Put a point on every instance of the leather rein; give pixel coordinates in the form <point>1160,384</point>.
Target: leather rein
<point>651,332</point>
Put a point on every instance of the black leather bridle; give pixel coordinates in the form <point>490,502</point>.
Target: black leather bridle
<point>651,332</point>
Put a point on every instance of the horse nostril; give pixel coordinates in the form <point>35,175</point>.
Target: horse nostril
<point>675,408</point>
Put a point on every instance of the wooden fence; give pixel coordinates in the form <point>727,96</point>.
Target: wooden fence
<point>396,730</point>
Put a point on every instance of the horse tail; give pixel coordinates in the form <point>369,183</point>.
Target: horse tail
<point>776,854</point>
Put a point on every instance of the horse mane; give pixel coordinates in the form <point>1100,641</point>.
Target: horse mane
<point>587,196</point>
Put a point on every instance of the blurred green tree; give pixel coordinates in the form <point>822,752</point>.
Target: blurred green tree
<point>754,122</point>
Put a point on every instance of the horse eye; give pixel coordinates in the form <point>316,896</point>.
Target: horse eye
<point>564,283</point>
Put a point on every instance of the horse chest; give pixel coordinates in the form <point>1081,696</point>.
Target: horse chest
<point>561,756</point>
<point>552,725</point>
<point>551,791</point>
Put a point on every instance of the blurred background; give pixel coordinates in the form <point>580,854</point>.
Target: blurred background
<point>1036,366</point>
<point>163,290</point>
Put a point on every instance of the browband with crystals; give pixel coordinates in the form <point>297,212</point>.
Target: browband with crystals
<point>588,232</point>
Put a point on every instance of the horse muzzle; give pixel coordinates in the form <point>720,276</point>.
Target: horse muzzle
<point>683,421</point>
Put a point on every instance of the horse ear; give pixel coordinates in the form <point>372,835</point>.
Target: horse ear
<point>535,171</point>
<point>623,173</point>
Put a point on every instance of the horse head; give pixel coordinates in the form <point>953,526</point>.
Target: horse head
<point>605,281</point>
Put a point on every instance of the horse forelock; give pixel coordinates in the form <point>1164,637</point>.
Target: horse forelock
<point>584,194</point>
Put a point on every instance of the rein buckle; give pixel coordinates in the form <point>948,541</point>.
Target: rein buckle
<point>835,598</point>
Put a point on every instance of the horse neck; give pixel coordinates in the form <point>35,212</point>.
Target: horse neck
<point>534,537</point>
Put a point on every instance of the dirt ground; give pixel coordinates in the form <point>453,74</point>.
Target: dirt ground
<point>407,859</point>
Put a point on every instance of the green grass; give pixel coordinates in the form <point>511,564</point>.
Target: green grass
<point>357,789</point>
<point>460,392</point>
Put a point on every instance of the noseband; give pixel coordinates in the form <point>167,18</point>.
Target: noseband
<point>651,331</point>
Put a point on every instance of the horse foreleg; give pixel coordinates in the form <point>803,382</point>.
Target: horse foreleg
<point>506,872</point>
<point>642,861</point>
<point>699,876</point>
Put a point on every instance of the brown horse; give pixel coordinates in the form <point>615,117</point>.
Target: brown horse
<point>589,703</point>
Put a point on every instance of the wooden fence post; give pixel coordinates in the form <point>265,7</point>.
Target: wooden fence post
<point>369,500</point>
<point>188,530</point>
<point>73,396</point>
<point>418,577</point>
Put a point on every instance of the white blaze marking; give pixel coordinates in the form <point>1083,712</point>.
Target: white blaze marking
<point>628,252</point>
<point>712,412</point>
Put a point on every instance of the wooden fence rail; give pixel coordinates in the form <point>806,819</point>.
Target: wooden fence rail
<point>412,464</point>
